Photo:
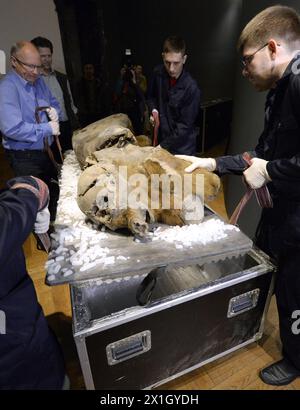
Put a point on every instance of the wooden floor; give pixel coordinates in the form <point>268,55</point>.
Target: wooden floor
<point>235,371</point>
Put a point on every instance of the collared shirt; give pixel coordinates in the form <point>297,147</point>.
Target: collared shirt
<point>18,101</point>
<point>53,84</point>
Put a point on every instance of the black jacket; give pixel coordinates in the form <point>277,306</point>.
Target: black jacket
<point>279,142</point>
<point>280,145</point>
<point>178,109</point>
<point>63,82</point>
<point>278,232</point>
<point>30,357</point>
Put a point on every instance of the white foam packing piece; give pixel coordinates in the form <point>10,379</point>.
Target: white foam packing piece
<point>208,231</point>
<point>69,272</point>
<point>78,242</point>
<point>67,207</point>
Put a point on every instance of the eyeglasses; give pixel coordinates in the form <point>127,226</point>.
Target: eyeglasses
<point>246,60</point>
<point>31,67</point>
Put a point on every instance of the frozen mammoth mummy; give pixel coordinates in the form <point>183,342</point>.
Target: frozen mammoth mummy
<point>108,189</point>
<point>112,130</point>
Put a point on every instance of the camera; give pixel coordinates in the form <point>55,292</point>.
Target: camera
<point>128,59</point>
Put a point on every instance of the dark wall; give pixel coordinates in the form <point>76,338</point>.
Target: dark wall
<point>210,28</point>
<point>81,29</point>
<point>99,31</point>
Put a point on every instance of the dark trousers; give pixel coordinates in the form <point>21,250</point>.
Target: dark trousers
<point>279,237</point>
<point>32,362</point>
<point>38,164</point>
<point>287,292</point>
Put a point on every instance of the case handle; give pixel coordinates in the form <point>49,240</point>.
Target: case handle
<point>243,303</point>
<point>128,348</point>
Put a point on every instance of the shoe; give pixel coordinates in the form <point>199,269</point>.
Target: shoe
<point>279,373</point>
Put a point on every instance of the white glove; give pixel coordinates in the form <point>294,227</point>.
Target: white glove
<point>206,163</point>
<point>42,222</point>
<point>257,175</point>
<point>55,127</point>
<point>52,114</point>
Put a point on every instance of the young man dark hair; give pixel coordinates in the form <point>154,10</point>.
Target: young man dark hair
<point>270,45</point>
<point>174,100</point>
<point>174,44</point>
<point>59,85</point>
<point>42,42</point>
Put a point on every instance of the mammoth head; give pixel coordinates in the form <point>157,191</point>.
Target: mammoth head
<point>98,196</point>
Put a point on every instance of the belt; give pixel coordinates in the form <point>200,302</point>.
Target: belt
<point>25,153</point>
<point>25,150</point>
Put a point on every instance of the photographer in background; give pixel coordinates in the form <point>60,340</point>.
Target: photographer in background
<point>129,98</point>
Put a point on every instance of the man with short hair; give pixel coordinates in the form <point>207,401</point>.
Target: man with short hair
<point>59,85</point>
<point>26,132</point>
<point>269,44</point>
<point>174,100</point>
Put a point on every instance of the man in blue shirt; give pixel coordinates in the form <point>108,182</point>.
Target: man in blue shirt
<point>21,92</point>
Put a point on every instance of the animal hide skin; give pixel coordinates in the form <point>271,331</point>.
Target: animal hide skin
<point>112,130</point>
<point>116,187</point>
<point>101,185</point>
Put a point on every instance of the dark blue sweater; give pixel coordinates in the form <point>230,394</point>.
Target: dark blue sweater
<point>30,357</point>
<point>178,108</point>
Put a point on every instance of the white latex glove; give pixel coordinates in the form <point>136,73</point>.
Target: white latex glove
<point>206,163</point>
<point>52,113</point>
<point>257,175</point>
<point>55,127</point>
<point>152,119</point>
<point>42,222</point>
